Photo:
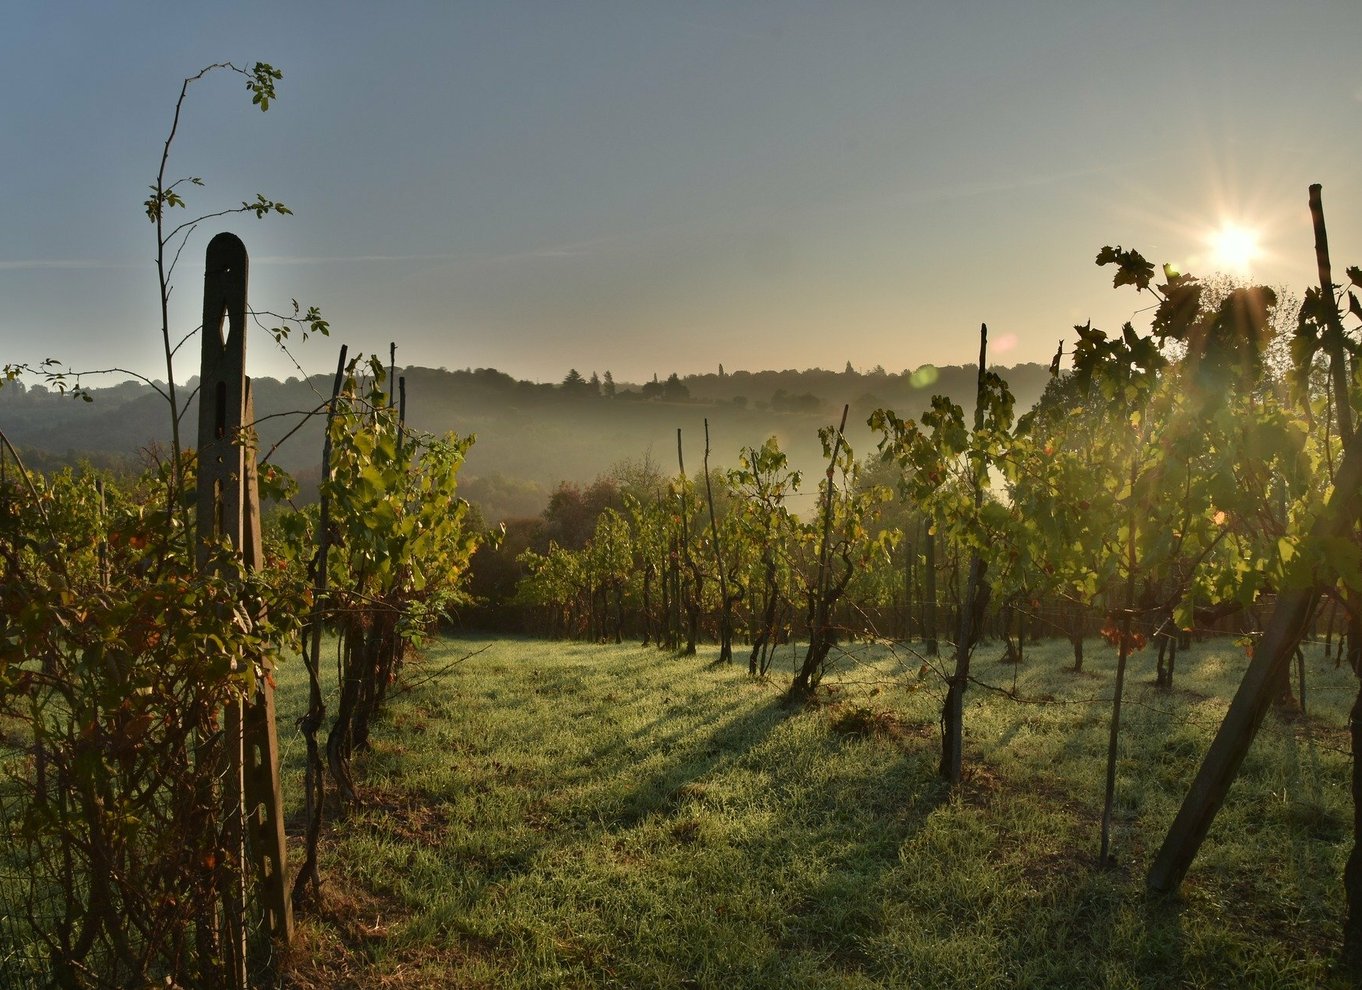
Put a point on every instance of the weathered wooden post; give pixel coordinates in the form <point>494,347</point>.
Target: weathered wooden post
<point>229,509</point>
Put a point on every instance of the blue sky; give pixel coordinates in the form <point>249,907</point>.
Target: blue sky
<point>653,187</point>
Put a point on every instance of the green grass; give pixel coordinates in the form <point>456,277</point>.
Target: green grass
<point>551,814</point>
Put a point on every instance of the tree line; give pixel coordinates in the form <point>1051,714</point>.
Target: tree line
<point>532,435</point>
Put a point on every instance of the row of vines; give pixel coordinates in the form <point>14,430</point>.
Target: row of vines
<point>1164,479</point>
<point>141,626</point>
<point>1198,475</point>
<point>121,655</point>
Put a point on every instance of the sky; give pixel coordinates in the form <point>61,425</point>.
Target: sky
<point>647,187</point>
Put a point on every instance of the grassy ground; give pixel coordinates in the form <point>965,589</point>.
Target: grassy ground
<point>550,814</point>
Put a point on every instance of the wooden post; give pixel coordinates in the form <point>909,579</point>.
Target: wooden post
<point>971,610</point>
<point>929,589</point>
<point>693,591</point>
<point>262,789</point>
<point>392,374</point>
<point>228,508</point>
<point>908,552</point>
<point>311,723</point>
<point>101,506</point>
<point>820,610</point>
<point>726,604</point>
<point>1334,336</point>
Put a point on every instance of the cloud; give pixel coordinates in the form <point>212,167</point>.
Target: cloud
<point>50,264</point>
<point>555,251</point>
<point>303,259</point>
<point>967,190</point>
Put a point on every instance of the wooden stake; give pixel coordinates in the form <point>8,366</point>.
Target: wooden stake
<point>726,613</point>
<point>971,610</point>
<point>228,508</point>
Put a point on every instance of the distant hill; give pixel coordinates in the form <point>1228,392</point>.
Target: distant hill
<point>530,435</point>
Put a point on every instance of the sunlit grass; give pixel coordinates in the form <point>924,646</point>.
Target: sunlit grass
<point>553,814</point>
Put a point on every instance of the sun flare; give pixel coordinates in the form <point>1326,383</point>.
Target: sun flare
<point>1234,248</point>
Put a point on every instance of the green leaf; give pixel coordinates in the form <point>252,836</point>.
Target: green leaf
<point>1286,549</point>
<point>1132,268</point>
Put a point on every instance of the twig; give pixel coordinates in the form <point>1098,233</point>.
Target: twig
<point>307,415</point>
<point>410,685</point>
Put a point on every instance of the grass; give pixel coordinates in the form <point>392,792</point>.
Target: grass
<point>551,814</point>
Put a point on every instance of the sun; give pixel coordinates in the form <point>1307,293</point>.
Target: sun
<point>1234,248</point>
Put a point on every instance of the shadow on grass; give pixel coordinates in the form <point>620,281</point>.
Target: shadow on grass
<point>696,752</point>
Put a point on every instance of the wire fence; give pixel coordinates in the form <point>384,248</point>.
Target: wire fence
<point>915,619</point>
<point>39,889</point>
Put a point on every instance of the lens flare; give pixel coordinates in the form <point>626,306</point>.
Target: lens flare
<point>1234,248</point>
<point>924,377</point>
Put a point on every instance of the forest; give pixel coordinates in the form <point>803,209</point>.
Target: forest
<point>725,690</point>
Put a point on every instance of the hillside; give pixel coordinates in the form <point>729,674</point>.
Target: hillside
<point>531,436</point>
